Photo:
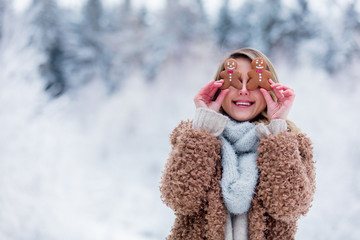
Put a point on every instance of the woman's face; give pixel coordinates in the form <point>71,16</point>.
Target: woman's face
<point>244,105</point>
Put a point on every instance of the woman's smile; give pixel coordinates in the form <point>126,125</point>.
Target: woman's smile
<point>243,103</point>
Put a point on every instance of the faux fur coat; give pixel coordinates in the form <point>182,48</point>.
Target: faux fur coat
<point>190,185</point>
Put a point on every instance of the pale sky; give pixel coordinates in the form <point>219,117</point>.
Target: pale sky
<point>211,5</point>
<point>21,4</point>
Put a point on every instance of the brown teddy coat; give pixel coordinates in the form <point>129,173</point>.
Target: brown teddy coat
<point>190,185</point>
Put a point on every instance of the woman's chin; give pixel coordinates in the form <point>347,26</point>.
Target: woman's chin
<point>242,117</point>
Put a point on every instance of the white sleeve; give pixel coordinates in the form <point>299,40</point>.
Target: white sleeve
<point>274,127</point>
<point>210,120</point>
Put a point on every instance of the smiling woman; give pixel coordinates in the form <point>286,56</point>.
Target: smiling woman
<point>271,96</point>
<point>239,170</point>
<point>242,104</point>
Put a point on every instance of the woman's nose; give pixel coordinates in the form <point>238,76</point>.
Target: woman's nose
<point>243,91</point>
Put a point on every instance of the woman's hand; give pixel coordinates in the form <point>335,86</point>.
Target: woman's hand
<point>203,98</point>
<point>281,108</point>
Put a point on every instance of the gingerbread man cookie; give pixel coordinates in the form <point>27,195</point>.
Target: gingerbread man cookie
<point>230,75</point>
<point>258,76</point>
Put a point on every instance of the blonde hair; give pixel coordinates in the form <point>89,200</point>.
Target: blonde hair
<point>251,54</point>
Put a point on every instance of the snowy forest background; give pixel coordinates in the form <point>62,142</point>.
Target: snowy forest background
<point>89,95</point>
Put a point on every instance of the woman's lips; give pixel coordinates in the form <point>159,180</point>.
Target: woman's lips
<point>243,103</point>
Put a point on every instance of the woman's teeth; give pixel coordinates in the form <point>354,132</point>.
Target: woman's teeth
<point>243,103</point>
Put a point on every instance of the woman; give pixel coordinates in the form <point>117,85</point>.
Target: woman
<point>240,169</point>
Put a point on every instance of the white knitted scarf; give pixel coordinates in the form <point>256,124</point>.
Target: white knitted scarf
<point>240,172</point>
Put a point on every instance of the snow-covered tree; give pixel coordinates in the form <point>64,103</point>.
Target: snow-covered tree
<point>122,41</point>
<point>270,23</point>
<point>271,26</point>
<point>126,16</point>
<point>299,25</point>
<point>182,21</point>
<point>256,23</point>
<point>93,38</point>
<point>351,31</point>
<point>47,37</point>
<point>2,13</point>
<point>246,27</point>
<point>340,40</point>
<point>93,14</point>
<point>171,35</point>
<point>123,16</point>
<point>225,27</point>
